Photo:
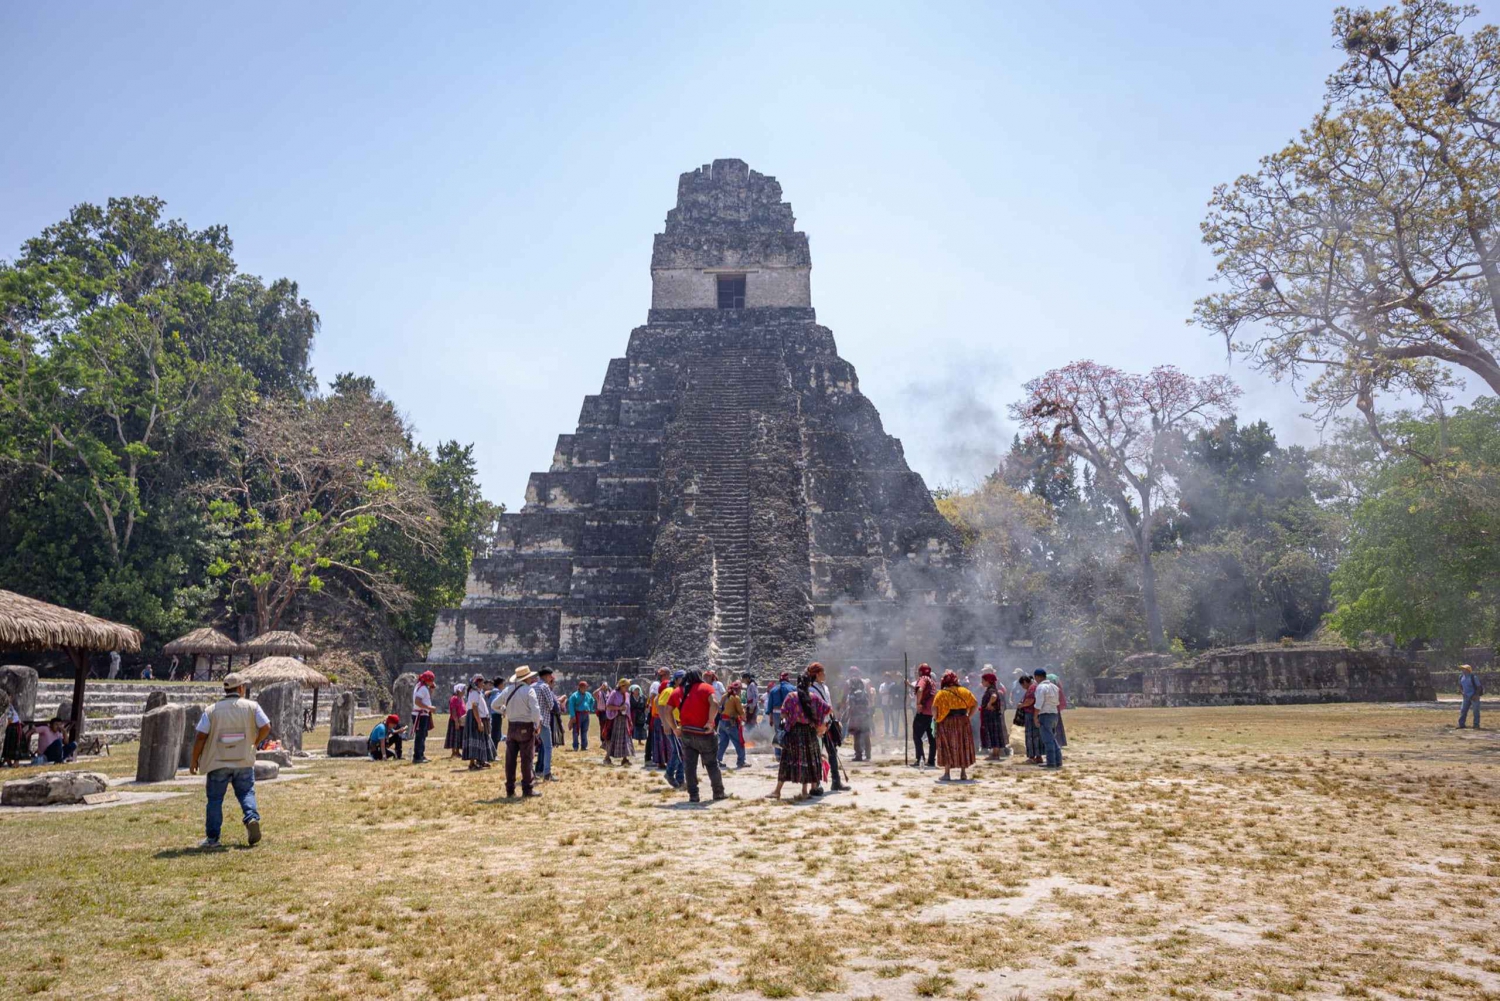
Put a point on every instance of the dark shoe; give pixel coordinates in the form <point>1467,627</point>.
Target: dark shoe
<point>531,795</point>
<point>816,791</point>
<point>719,795</point>
<point>840,788</point>
<point>694,799</point>
<point>252,831</point>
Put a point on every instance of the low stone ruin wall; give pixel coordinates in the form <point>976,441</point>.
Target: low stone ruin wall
<point>1269,675</point>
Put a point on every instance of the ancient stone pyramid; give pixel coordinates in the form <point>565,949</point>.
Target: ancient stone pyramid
<point>729,498</point>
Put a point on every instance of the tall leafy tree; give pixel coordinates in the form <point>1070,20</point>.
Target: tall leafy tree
<point>126,343</point>
<point>307,488</point>
<point>1364,256</point>
<point>1422,562</point>
<point>1129,428</point>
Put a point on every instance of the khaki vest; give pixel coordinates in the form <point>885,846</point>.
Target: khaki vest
<point>231,735</point>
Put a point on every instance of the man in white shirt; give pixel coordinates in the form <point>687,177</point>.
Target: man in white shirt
<point>228,734</point>
<point>523,715</point>
<point>421,716</point>
<point>1048,707</point>
<point>712,677</point>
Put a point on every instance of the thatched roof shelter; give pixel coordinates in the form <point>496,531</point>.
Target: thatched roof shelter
<point>28,624</point>
<point>270,670</point>
<point>279,642</point>
<point>206,641</point>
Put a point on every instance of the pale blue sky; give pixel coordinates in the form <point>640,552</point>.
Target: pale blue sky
<point>467,193</point>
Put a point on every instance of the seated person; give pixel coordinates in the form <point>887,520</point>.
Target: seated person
<point>52,744</point>
<point>385,740</point>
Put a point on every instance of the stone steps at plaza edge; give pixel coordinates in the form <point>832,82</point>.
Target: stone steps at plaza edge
<point>113,709</point>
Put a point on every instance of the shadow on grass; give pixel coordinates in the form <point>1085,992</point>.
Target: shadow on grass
<point>175,853</point>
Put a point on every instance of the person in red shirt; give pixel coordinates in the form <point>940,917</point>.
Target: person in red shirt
<point>697,706</point>
<point>925,690</point>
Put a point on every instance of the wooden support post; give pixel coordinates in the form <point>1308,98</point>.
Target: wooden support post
<point>80,675</point>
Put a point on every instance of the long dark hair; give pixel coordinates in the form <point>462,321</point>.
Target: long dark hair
<point>689,680</point>
<point>804,696</point>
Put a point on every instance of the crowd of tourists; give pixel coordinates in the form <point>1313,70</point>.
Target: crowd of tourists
<point>686,721</point>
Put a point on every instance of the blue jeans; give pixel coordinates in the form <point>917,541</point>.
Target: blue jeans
<point>729,733</point>
<point>544,751</point>
<point>220,779</point>
<point>581,731</point>
<point>1048,723</point>
<point>676,766</point>
<point>1463,713</point>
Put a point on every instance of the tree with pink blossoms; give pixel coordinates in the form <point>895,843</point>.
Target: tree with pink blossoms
<point>1129,428</point>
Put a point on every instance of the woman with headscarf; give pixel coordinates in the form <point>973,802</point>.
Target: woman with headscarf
<point>924,690</point>
<point>1026,716</point>
<point>638,721</point>
<point>621,740</point>
<point>454,739</point>
<point>992,735</point>
<point>955,738</point>
<point>478,749</point>
<point>804,716</point>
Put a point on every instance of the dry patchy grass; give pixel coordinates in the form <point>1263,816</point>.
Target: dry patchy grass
<point>1304,852</point>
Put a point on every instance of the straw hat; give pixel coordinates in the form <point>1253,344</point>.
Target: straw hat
<point>523,673</point>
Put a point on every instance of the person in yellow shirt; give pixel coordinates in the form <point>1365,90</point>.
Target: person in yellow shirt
<point>955,736</point>
<point>667,713</point>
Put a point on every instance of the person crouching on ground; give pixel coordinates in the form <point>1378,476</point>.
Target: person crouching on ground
<point>228,734</point>
<point>523,715</point>
<point>955,736</point>
<point>453,740</point>
<point>621,741</point>
<point>992,735</point>
<point>696,706</point>
<point>385,739</point>
<point>803,714</point>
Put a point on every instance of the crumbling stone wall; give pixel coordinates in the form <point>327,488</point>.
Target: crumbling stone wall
<point>1262,675</point>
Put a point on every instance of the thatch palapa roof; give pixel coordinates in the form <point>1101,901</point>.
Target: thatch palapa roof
<point>205,640</point>
<point>279,642</point>
<point>273,669</point>
<point>29,624</point>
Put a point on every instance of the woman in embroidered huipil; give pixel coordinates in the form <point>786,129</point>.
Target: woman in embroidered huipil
<point>804,715</point>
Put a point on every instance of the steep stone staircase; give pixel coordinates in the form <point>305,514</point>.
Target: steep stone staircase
<point>716,419</point>
<point>113,709</point>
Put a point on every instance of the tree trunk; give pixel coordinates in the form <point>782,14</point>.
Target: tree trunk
<point>1154,632</point>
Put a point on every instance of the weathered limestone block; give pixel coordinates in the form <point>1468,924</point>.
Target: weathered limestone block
<point>265,771</point>
<point>161,745</point>
<point>65,712</point>
<point>20,684</point>
<point>155,699</point>
<point>401,691</point>
<point>190,717</point>
<point>281,758</point>
<point>341,717</point>
<point>54,788</point>
<point>282,702</point>
<point>347,746</point>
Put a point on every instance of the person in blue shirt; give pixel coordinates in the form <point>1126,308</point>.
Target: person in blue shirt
<point>580,707</point>
<point>1472,689</point>
<point>385,740</point>
<point>774,698</point>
